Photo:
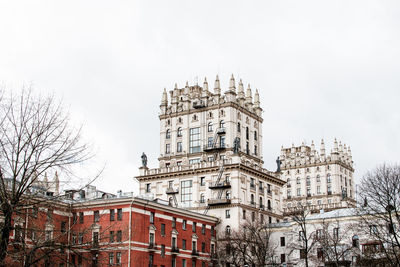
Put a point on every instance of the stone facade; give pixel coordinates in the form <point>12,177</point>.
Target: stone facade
<point>211,157</point>
<point>317,179</point>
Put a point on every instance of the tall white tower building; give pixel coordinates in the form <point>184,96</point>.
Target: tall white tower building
<point>318,180</point>
<point>211,155</point>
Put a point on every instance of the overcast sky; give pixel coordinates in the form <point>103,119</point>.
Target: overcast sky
<point>324,69</point>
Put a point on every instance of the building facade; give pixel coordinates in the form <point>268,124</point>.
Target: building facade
<point>211,157</point>
<point>113,230</point>
<point>317,179</point>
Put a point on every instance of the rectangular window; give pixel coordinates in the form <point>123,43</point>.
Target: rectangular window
<point>81,217</point>
<point>111,236</point>
<point>112,215</point>
<point>151,239</point>
<point>63,227</point>
<point>186,192</point>
<point>194,227</point>
<point>163,251</point>
<point>227,214</point>
<point>244,214</point>
<point>119,214</point>
<point>318,189</point>
<point>336,233</point>
<point>222,141</point>
<point>95,238</point>
<point>194,140</point>
<point>163,229</point>
<point>173,222</point>
<point>298,192</point>
<point>283,258</point>
<point>184,244</point>
<point>179,147</point>
<point>194,161</point>
<point>173,262</point>
<point>96,216</point>
<point>210,142</point>
<point>184,224</point>
<point>203,247</point>
<point>118,260</point>
<point>119,236</point>
<point>167,148</point>
<point>202,181</point>
<point>80,238</point>
<point>74,218</point>
<point>282,241</point>
<point>152,214</point>
<point>111,258</point>
<point>148,188</point>
<point>184,263</point>
<point>203,229</point>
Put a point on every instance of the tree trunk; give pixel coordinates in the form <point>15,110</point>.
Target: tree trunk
<point>5,236</point>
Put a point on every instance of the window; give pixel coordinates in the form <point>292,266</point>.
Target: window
<point>163,229</point>
<point>151,239</point>
<point>308,192</point>
<point>238,127</point>
<point>152,214</point>
<point>222,141</point>
<point>168,134</point>
<point>50,215</point>
<point>148,189</point>
<point>203,247</point>
<point>252,199</point>
<point>111,258</point>
<point>255,150</point>
<point>255,135</point>
<point>111,236</point>
<point>319,233</point>
<point>298,192</point>
<point>151,260</point>
<point>194,227</point>
<point>118,260</point>
<point>329,189</point>
<point>320,253</point>
<point>112,215</point>
<point>318,178</point>
<point>80,217</point>
<point>119,236</point>
<point>247,133</point>
<point>227,214</point>
<point>80,238</point>
<point>184,224</point>
<point>184,244</point>
<point>194,140</point>
<point>244,214</point>
<point>63,227</point>
<point>179,132</point>
<point>356,242</point>
<point>202,198</point>
<point>179,147</point>
<point>203,229</point>
<point>247,148</point>
<point>282,241</point>
<point>318,189</point>
<point>174,222</point>
<point>95,238</point>
<point>184,263</point>
<point>96,216</point>
<point>298,180</point>
<point>283,258</point>
<point>228,230</point>
<point>328,178</point>
<point>194,246</point>
<point>119,214</point>
<point>253,216</point>
<point>163,251</point>
<point>269,204</point>
<point>210,142</point>
<point>186,192</point>
<point>252,182</point>
<point>308,181</point>
<point>35,211</point>
<point>212,231</point>
<point>210,127</point>
<point>221,124</point>
<point>202,181</point>
<point>167,148</point>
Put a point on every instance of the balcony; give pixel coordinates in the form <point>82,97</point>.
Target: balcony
<point>199,104</point>
<point>329,192</point>
<point>218,201</point>
<point>174,250</point>
<point>253,186</point>
<point>223,185</point>
<point>261,189</point>
<point>195,253</point>
<point>171,190</point>
<point>211,147</point>
<point>152,246</point>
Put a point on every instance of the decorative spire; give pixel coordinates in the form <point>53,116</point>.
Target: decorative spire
<point>335,146</point>
<point>205,88</point>
<point>186,88</point>
<point>56,183</point>
<point>248,95</point>
<point>257,99</point>
<point>312,146</point>
<point>322,148</point>
<point>217,87</point>
<point>164,99</point>
<point>241,90</point>
<point>176,86</point>
<point>340,146</point>
<point>232,84</point>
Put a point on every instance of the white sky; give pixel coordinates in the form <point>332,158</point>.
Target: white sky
<point>324,69</point>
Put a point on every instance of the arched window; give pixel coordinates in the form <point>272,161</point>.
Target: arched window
<point>228,230</point>
<point>238,127</point>
<point>247,133</point>
<point>170,201</point>
<point>228,194</point>
<point>308,181</point>
<point>298,180</point>
<point>269,204</point>
<point>356,241</point>
<point>180,120</point>
<point>222,124</point>
<point>318,178</point>
<point>168,134</point>
<point>252,198</point>
<point>210,127</point>
<point>261,202</point>
<point>179,132</point>
<point>202,198</point>
<point>222,112</point>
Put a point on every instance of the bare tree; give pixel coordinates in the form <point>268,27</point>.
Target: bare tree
<point>306,236</point>
<point>250,245</point>
<point>379,211</point>
<point>35,136</point>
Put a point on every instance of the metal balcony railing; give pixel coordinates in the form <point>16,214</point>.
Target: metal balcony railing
<point>218,201</point>
<point>224,184</point>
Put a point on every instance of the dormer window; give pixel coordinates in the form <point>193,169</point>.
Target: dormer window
<point>168,134</point>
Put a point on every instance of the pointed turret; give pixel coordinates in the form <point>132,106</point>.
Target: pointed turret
<point>248,96</point>
<point>322,148</point>
<point>335,146</point>
<point>256,99</point>
<point>340,147</point>
<point>56,183</point>
<point>164,99</point>
<point>205,88</point>
<point>217,87</point>
<point>241,90</point>
<point>186,91</point>
<point>312,146</point>
<point>232,84</point>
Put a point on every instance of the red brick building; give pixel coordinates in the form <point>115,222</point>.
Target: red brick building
<point>120,231</point>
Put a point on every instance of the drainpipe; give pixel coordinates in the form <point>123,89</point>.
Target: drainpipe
<point>130,232</point>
